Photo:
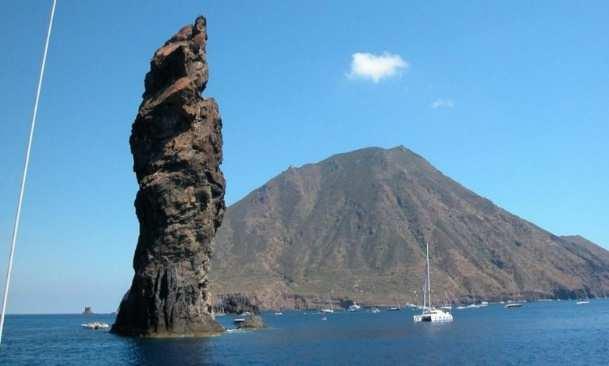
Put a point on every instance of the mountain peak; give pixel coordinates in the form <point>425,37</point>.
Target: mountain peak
<point>376,150</point>
<point>355,226</point>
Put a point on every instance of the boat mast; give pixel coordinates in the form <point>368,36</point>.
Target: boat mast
<point>428,276</point>
<point>424,295</point>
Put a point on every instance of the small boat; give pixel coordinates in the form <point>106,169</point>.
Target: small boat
<point>429,313</point>
<point>582,302</point>
<point>354,307</point>
<point>330,309</point>
<point>238,320</point>
<point>461,307</point>
<point>394,308</point>
<point>375,311</point>
<point>278,313</point>
<point>433,315</point>
<point>95,325</point>
<point>513,305</point>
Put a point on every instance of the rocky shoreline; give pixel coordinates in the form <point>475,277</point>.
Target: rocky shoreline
<point>256,304</point>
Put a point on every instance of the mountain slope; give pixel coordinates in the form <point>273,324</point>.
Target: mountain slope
<point>355,225</point>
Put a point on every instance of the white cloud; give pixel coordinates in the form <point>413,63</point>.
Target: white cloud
<point>376,67</point>
<point>442,103</point>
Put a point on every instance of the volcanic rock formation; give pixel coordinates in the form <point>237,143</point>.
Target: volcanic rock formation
<point>354,226</point>
<point>176,144</point>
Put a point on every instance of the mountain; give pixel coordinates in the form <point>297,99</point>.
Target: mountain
<point>354,226</point>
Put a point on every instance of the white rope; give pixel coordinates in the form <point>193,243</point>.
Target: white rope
<point>24,175</point>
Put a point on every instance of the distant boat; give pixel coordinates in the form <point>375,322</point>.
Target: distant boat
<point>238,320</point>
<point>375,310</point>
<point>354,307</point>
<point>582,302</point>
<point>278,313</point>
<point>513,305</point>
<point>396,307</point>
<point>95,325</point>
<point>330,309</point>
<point>429,313</point>
<point>475,305</point>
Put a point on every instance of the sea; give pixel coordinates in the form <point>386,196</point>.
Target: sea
<point>539,333</point>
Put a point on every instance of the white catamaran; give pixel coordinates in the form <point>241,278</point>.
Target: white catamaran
<point>431,314</point>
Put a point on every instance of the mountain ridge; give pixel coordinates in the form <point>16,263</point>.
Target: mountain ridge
<point>354,225</point>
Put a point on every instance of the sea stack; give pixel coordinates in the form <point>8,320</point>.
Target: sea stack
<point>176,143</point>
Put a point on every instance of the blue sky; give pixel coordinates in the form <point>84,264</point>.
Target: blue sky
<point>511,99</point>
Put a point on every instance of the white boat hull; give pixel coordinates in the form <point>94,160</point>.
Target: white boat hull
<point>354,307</point>
<point>95,325</point>
<point>434,316</point>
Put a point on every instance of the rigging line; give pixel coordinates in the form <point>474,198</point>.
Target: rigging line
<point>428,277</point>
<point>25,170</point>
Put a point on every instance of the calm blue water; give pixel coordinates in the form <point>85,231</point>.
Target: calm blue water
<point>544,333</point>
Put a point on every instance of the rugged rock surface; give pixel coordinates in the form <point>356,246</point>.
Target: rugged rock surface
<point>354,226</point>
<point>176,144</point>
<point>235,304</point>
<point>252,322</point>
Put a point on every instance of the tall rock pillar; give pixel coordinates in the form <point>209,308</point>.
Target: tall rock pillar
<point>176,142</point>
